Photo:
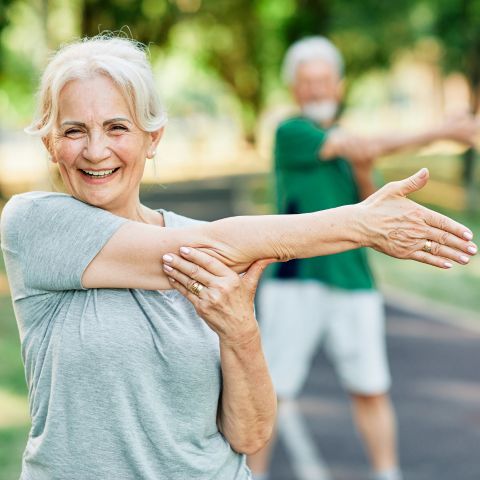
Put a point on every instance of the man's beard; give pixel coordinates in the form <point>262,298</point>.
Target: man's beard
<point>323,112</point>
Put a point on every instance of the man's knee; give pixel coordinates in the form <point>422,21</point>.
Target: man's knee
<point>370,398</point>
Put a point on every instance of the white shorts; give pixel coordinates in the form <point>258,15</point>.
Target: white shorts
<point>297,317</point>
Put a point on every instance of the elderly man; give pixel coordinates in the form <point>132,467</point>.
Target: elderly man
<point>332,300</point>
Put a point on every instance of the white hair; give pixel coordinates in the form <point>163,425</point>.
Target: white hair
<point>307,49</point>
<point>123,60</point>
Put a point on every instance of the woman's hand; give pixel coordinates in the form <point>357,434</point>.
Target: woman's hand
<point>399,227</point>
<point>225,299</point>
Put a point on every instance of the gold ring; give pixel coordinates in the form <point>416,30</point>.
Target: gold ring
<point>196,288</point>
<point>428,246</point>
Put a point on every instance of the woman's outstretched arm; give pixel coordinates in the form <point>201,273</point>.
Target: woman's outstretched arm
<point>386,221</point>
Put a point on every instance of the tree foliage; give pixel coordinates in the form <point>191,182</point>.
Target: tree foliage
<point>243,41</point>
<point>4,4</point>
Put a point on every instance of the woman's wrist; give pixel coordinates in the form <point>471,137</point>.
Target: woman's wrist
<point>245,338</point>
<point>358,225</point>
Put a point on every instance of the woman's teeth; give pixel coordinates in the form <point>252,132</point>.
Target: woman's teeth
<point>99,173</point>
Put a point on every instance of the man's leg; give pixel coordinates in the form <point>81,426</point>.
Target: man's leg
<point>375,420</point>
<point>355,343</point>
<point>291,326</point>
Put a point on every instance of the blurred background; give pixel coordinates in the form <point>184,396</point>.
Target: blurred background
<point>409,64</point>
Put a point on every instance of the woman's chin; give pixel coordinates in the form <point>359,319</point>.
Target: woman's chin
<point>96,199</point>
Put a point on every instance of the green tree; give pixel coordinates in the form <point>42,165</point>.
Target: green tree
<point>456,25</point>
<point>228,36</point>
<point>4,4</point>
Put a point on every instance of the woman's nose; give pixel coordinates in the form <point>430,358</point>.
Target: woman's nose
<point>97,148</point>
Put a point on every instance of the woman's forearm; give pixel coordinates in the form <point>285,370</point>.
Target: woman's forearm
<point>238,241</point>
<point>132,258</point>
<point>248,405</point>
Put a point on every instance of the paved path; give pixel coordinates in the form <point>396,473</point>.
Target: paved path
<point>436,371</point>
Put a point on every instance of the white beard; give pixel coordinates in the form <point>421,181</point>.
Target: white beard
<point>321,112</point>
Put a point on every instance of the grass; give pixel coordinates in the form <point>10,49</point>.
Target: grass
<point>458,287</point>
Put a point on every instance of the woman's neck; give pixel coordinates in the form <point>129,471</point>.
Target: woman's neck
<point>139,213</point>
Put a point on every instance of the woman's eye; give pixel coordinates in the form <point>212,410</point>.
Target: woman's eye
<point>73,131</point>
<point>119,128</point>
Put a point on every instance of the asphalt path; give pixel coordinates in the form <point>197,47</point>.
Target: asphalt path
<point>436,392</point>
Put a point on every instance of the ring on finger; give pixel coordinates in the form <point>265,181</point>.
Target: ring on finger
<point>196,288</point>
<point>428,246</point>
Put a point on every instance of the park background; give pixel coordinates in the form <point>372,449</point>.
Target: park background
<point>409,64</point>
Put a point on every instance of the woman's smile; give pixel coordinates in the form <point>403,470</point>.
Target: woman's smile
<point>98,177</point>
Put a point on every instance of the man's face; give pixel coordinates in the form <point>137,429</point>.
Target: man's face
<point>316,81</point>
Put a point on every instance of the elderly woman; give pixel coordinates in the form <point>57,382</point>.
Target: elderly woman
<point>127,378</point>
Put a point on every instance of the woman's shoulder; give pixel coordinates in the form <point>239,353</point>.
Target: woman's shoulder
<point>21,210</point>
<point>24,200</point>
<point>18,210</point>
<point>39,196</point>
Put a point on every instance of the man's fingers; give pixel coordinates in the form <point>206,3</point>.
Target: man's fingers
<point>412,184</point>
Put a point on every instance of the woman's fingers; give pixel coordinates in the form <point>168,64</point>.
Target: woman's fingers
<point>183,290</point>
<point>430,259</point>
<point>446,224</point>
<point>206,261</point>
<point>438,250</point>
<point>441,237</point>
<point>174,264</point>
<point>411,184</point>
<point>253,274</point>
<point>181,278</point>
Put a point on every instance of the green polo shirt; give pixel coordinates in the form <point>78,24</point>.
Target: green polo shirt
<point>306,183</point>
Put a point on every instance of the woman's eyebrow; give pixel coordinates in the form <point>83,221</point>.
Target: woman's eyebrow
<point>106,122</point>
<point>72,122</point>
<point>117,119</point>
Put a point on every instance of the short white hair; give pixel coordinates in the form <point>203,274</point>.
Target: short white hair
<point>123,60</point>
<point>307,49</point>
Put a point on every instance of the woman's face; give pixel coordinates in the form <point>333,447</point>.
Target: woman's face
<point>99,150</point>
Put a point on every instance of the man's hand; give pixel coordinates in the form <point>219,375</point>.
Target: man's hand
<point>359,151</point>
<point>461,128</point>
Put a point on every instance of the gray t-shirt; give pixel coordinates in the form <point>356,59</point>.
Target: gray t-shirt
<point>123,383</point>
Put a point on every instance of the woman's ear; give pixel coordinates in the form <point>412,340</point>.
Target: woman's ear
<point>48,145</point>
<point>155,137</point>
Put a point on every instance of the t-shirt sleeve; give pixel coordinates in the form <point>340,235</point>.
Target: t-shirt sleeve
<point>52,238</point>
<point>298,143</point>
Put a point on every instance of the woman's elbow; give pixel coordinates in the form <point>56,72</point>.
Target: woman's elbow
<point>253,443</point>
